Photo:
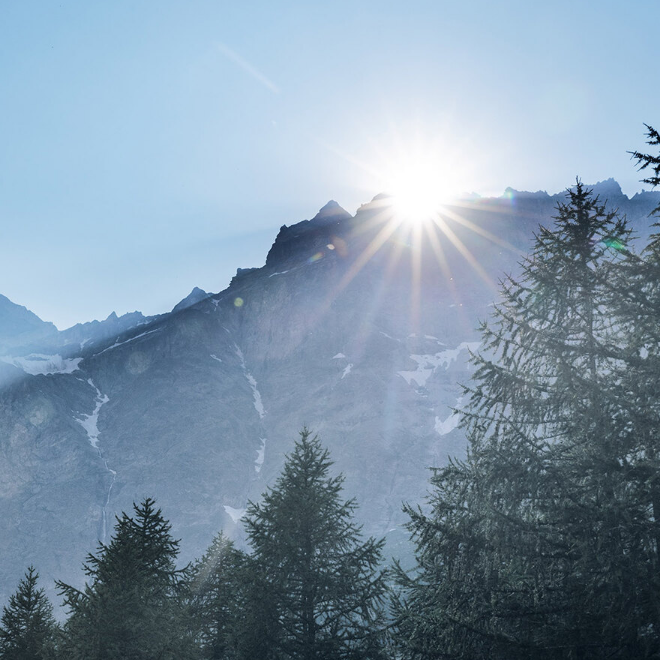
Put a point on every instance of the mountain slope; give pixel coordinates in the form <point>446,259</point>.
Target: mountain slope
<point>353,327</point>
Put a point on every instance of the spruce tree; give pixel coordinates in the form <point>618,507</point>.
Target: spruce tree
<point>133,605</point>
<point>317,580</point>
<point>27,627</point>
<point>532,548</point>
<point>217,589</point>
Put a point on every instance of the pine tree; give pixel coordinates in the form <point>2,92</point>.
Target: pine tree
<point>27,627</point>
<point>217,589</point>
<point>317,580</point>
<point>133,605</point>
<point>649,161</point>
<point>537,545</point>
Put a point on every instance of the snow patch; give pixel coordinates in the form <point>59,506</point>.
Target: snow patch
<point>347,371</point>
<point>258,403</point>
<point>234,514</point>
<point>215,357</point>
<point>442,427</point>
<point>280,273</point>
<point>427,364</point>
<point>37,364</point>
<point>121,343</point>
<point>90,422</point>
<point>338,356</point>
<point>261,454</point>
<point>389,336</point>
<point>449,424</point>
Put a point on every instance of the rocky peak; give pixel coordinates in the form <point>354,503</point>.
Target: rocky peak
<point>607,189</point>
<point>300,241</point>
<point>331,212</point>
<point>192,298</point>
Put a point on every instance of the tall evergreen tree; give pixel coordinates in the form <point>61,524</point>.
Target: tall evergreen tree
<point>217,590</point>
<point>27,627</point>
<point>318,579</point>
<point>132,607</point>
<point>537,545</point>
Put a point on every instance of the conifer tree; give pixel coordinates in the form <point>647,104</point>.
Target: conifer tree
<point>27,627</point>
<point>318,581</point>
<point>536,546</point>
<point>132,607</point>
<point>216,593</point>
<point>649,160</point>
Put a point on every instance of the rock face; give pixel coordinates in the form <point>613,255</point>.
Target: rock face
<point>356,327</point>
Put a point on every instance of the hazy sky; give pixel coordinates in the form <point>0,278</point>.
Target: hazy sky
<point>147,147</point>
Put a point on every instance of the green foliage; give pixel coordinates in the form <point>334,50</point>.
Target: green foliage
<point>315,589</point>
<point>216,592</point>
<point>542,544</point>
<point>649,161</point>
<point>27,627</point>
<point>132,607</point>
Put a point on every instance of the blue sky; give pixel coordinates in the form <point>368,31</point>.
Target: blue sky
<point>149,147</point>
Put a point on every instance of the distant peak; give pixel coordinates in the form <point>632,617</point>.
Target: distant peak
<point>331,212</point>
<point>510,193</point>
<point>192,298</point>
<point>112,316</point>
<point>607,188</point>
<point>330,207</point>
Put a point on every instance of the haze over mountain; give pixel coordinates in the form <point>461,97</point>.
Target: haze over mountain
<point>351,327</point>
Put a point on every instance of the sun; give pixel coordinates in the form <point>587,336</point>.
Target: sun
<point>417,194</point>
<point>420,185</point>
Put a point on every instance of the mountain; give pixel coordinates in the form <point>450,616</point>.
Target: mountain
<point>31,346</point>
<point>193,297</point>
<point>19,326</point>
<point>95,331</point>
<point>356,327</point>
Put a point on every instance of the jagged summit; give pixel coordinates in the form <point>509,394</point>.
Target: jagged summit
<point>308,236</point>
<point>606,189</point>
<point>331,212</point>
<point>193,297</point>
<point>510,193</point>
<point>609,188</point>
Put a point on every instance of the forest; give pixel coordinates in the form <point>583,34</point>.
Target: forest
<point>542,543</point>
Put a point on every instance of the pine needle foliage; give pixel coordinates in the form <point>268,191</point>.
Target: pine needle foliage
<point>27,627</point>
<point>541,544</point>
<point>321,580</point>
<point>217,589</point>
<point>132,606</point>
<point>649,161</point>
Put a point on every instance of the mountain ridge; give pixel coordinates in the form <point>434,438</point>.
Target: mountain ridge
<point>364,342</point>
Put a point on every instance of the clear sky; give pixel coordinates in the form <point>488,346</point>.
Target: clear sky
<point>147,147</point>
